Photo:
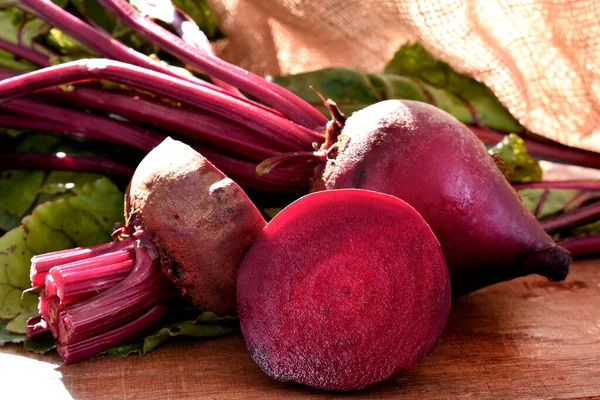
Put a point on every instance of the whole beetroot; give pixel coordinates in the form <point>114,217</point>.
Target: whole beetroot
<point>426,157</point>
<point>188,230</point>
<point>200,220</point>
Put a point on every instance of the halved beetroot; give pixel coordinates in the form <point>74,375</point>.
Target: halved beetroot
<point>343,289</point>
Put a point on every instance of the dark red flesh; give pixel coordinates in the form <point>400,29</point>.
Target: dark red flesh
<point>342,290</point>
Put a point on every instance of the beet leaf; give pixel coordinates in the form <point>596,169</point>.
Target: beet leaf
<point>544,203</point>
<point>23,190</point>
<point>18,49</point>
<point>205,325</point>
<point>414,61</point>
<point>514,160</point>
<point>7,336</point>
<point>414,74</point>
<point>82,218</point>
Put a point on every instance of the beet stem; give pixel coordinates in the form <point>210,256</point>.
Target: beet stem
<point>26,122</point>
<point>8,73</point>
<point>41,264</point>
<point>581,198</point>
<point>133,298</point>
<point>580,246</point>
<point>80,280</point>
<point>582,185</point>
<point>107,46</point>
<point>52,315</point>
<point>28,54</point>
<point>43,304</point>
<point>73,352</point>
<point>277,181</point>
<point>298,157</point>
<point>99,41</point>
<point>274,95</point>
<point>36,327</point>
<point>192,123</point>
<point>277,128</point>
<point>145,287</point>
<point>572,219</point>
<point>94,126</point>
<point>546,150</point>
<point>290,180</point>
<point>62,161</point>
<point>50,289</point>
<point>191,34</point>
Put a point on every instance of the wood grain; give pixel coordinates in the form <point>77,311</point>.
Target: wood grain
<point>523,339</point>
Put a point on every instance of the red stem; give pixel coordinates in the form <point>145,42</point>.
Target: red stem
<point>193,123</point>
<point>52,317</point>
<point>546,150</point>
<point>289,180</point>
<point>579,246</point>
<point>61,161</point>
<point>8,73</point>
<point>582,185</point>
<point>133,298</point>
<point>300,159</point>
<point>23,122</point>
<point>43,303</point>
<point>588,191</point>
<point>144,288</point>
<point>50,287</point>
<point>105,45</point>
<point>572,219</point>
<point>581,198</point>
<point>291,105</point>
<point>277,128</point>
<point>41,264</point>
<point>28,54</point>
<point>80,280</point>
<point>36,327</point>
<point>191,34</point>
<point>73,352</point>
<point>98,41</point>
<point>90,125</point>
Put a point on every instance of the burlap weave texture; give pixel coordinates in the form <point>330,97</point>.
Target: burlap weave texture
<point>540,57</point>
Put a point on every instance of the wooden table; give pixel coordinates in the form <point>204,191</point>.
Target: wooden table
<point>527,338</point>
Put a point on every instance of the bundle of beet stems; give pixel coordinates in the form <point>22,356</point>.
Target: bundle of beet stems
<point>261,135</point>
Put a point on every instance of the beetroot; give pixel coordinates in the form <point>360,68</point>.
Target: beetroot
<point>198,217</point>
<point>343,289</point>
<point>423,155</point>
<point>184,217</point>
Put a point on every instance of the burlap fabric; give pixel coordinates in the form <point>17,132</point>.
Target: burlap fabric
<point>540,57</point>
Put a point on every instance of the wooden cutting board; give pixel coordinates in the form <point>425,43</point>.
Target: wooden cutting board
<point>527,338</point>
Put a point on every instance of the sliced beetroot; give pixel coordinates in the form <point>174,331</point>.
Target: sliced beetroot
<point>426,157</point>
<point>343,289</point>
<point>201,221</point>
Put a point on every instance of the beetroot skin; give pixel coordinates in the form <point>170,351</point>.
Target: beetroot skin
<point>343,289</point>
<point>423,155</point>
<point>201,221</point>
